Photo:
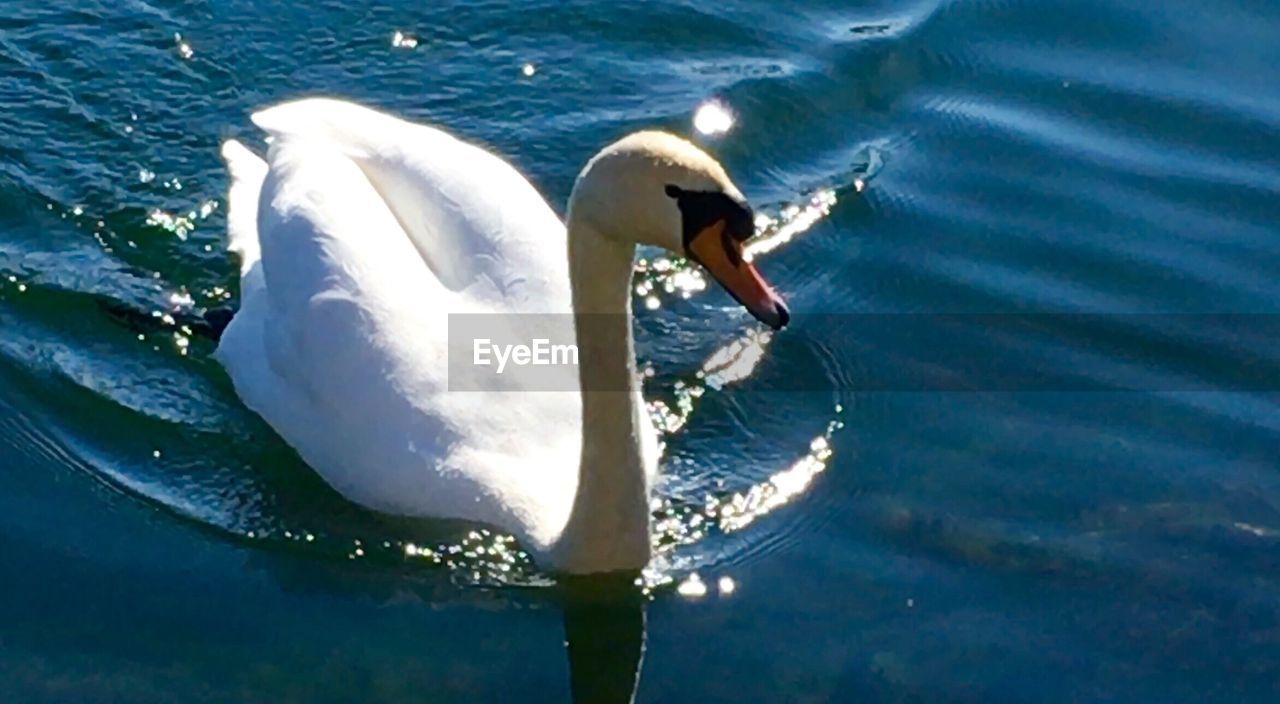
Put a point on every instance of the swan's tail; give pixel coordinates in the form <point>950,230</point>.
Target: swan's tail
<point>247,171</point>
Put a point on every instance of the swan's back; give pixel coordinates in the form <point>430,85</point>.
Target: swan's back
<point>369,233</point>
<point>473,218</point>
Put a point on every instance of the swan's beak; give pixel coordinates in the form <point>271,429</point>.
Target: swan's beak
<point>722,255</point>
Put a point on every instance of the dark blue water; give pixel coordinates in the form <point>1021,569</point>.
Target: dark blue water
<point>1053,542</point>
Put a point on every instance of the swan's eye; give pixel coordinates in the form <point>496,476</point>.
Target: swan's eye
<point>741,223</point>
<point>732,247</point>
<point>702,209</point>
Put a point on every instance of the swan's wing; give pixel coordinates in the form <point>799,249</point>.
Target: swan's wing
<point>342,349</point>
<point>343,312</point>
<point>481,227</point>
<point>341,275</point>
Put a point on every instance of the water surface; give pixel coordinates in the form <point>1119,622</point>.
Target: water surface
<point>1052,543</point>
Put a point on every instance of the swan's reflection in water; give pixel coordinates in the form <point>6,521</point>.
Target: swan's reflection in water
<point>603,618</point>
<point>604,627</point>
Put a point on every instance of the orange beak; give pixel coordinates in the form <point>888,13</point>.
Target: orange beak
<point>722,255</point>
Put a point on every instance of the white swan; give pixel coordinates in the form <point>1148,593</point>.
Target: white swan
<point>362,233</point>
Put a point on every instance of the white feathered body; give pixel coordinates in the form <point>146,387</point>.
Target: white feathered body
<point>359,236</point>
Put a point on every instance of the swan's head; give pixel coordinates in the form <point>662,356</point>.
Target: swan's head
<point>657,189</point>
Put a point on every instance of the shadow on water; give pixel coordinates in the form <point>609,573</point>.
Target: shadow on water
<point>604,626</point>
<point>603,615</point>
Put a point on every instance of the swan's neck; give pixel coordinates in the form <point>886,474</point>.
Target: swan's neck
<point>608,528</point>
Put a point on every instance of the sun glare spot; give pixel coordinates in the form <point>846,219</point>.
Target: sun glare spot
<point>400,40</point>
<point>713,118</point>
<point>692,587</point>
<point>183,47</point>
